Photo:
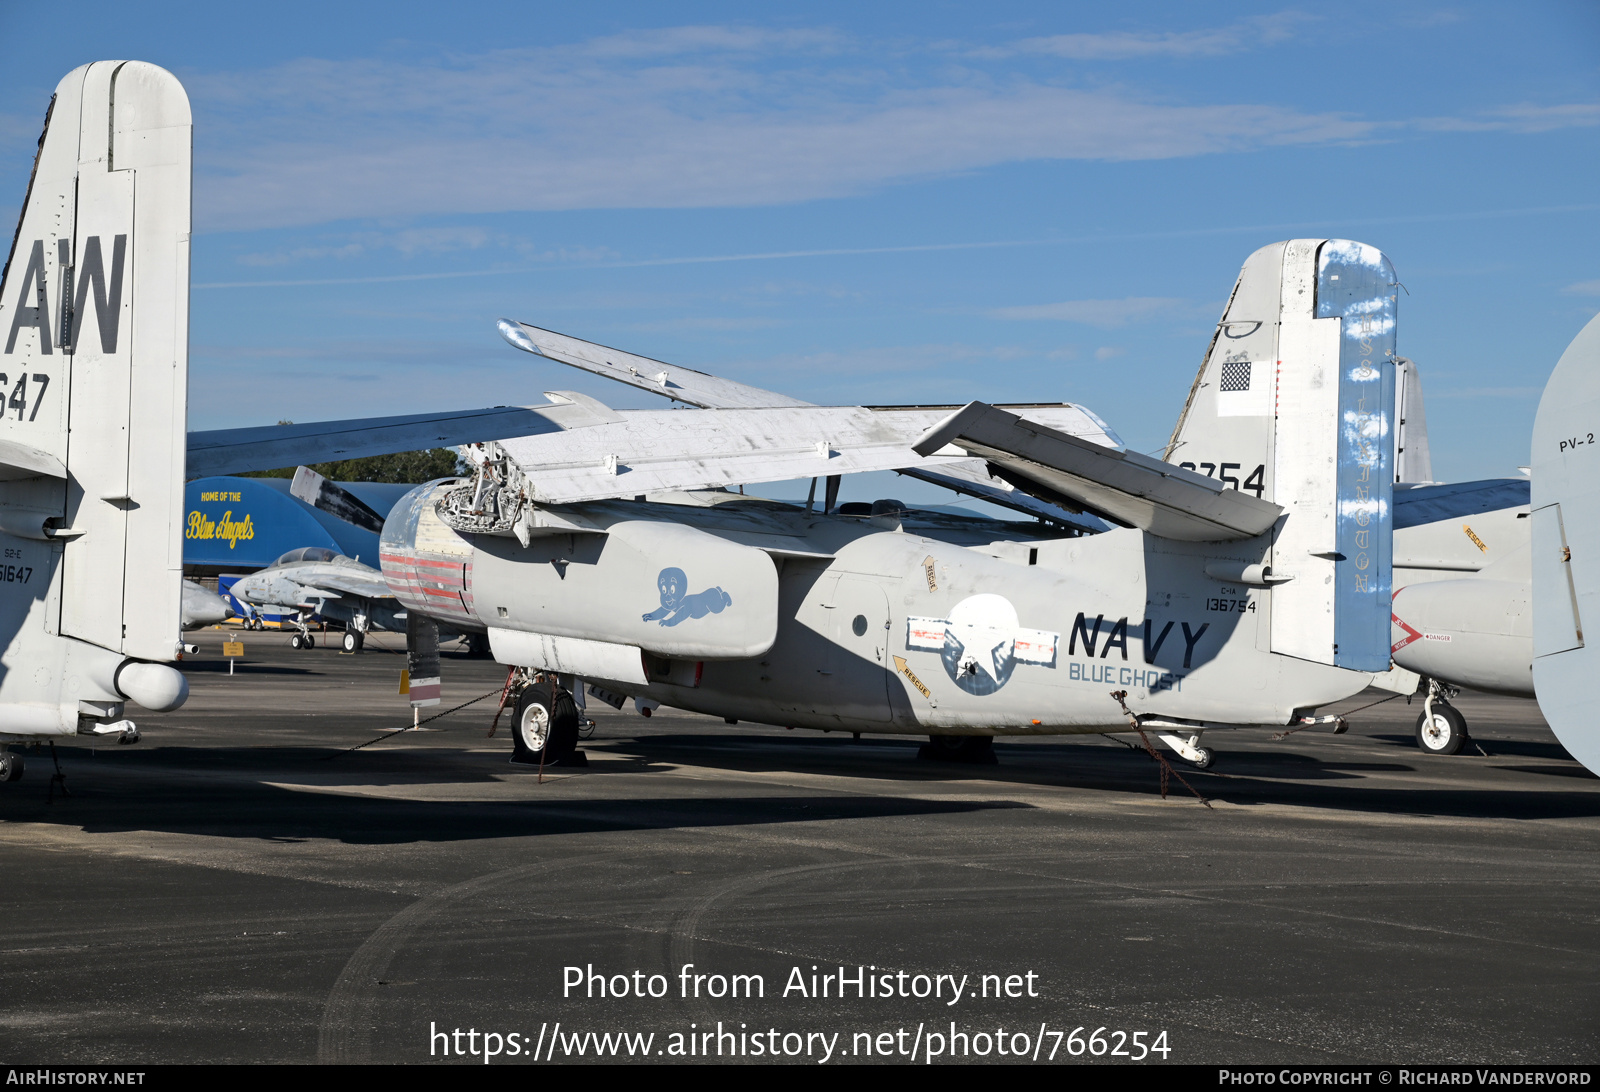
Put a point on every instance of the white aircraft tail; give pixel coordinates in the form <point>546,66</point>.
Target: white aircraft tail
<point>1295,404</point>
<point>1413,458</point>
<point>1566,546</point>
<point>94,312</point>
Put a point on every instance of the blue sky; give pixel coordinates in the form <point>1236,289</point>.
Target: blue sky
<point>850,203</point>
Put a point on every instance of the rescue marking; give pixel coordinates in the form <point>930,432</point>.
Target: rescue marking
<point>905,669</point>
<point>1476,541</point>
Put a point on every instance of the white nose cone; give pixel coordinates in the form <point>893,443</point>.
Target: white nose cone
<point>157,687</point>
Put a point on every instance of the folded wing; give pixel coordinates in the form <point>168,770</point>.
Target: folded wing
<point>696,388</point>
<point>657,451</point>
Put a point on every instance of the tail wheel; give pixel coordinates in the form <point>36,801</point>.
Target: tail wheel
<point>1445,734</point>
<point>544,730</point>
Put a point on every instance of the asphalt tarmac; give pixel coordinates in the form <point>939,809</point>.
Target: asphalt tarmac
<point>233,889</point>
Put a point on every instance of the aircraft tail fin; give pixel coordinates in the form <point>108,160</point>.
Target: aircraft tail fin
<point>94,303</point>
<point>1413,459</point>
<point>1565,461</point>
<point>1294,403</point>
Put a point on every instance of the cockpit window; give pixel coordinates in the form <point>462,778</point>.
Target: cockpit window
<point>303,555</point>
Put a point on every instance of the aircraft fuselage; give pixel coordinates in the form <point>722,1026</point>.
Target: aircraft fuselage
<point>755,611</point>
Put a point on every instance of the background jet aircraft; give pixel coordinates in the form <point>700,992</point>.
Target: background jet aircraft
<point>201,608</point>
<point>316,581</point>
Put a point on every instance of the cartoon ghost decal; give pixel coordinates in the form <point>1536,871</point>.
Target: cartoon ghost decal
<point>678,606</point>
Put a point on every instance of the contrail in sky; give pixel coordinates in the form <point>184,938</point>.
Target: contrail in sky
<point>780,255</point>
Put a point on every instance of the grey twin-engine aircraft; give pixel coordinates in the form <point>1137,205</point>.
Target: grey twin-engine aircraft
<point>1251,597</point>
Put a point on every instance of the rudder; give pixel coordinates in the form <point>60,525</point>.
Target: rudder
<point>1295,403</point>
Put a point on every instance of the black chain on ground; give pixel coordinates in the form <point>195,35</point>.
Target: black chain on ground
<point>413,727</point>
<point>1120,697</point>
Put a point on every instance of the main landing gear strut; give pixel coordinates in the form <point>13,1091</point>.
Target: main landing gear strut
<point>303,638</point>
<point>1441,729</point>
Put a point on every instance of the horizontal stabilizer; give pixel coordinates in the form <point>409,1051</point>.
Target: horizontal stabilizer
<point>18,461</point>
<point>1123,486</point>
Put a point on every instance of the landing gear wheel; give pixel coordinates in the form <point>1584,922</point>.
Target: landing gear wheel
<point>353,641</point>
<point>974,750</point>
<point>543,732</point>
<point>10,766</point>
<point>1204,758</point>
<point>297,642</point>
<point>1446,734</point>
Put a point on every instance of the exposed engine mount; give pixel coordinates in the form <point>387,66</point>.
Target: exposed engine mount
<point>492,501</point>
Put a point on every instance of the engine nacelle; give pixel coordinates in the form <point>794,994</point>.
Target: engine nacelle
<point>671,590</point>
<point>1474,631</point>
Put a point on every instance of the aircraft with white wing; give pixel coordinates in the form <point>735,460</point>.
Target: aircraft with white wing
<point>615,553</point>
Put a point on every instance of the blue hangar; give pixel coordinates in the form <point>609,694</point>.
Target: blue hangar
<point>239,525</point>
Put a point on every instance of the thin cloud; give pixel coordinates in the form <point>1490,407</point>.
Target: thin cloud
<point>696,117</point>
<point>1211,42</point>
<point>660,119</point>
<point>1519,119</point>
<point>1107,314</point>
<point>1490,392</point>
<point>1583,288</point>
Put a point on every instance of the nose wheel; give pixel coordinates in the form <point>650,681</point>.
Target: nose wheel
<point>302,640</point>
<point>1442,731</point>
